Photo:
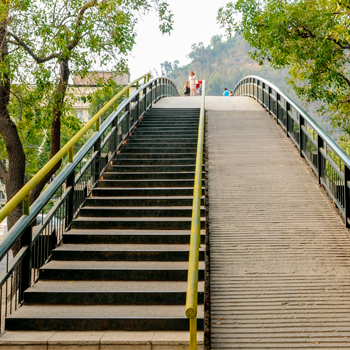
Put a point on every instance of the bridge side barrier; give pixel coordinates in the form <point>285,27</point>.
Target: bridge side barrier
<point>328,161</point>
<point>192,276</point>
<point>66,193</point>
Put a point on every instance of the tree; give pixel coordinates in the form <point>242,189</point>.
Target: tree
<point>309,37</point>
<point>32,115</point>
<point>167,67</point>
<point>43,42</point>
<point>104,94</point>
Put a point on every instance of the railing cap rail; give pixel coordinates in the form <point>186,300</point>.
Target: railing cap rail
<point>320,132</point>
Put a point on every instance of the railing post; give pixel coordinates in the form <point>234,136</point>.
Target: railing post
<point>346,195</point>
<point>269,99</point>
<point>26,273</point>
<point>97,148</point>
<point>301,137</point>
<point>115,134</point>
<point>193,333</point>
<point>287,117</point>
<point>278,97</point>
<point>263,94</point>
<point>137,100</point>
<point>320,145</point>
<point>26,205</point>
<point>145,99</point>
<point>70,205</point>
<point>127,109</point>
<point>155,90</point>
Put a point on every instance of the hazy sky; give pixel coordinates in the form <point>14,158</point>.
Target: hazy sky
<point>195,21</point>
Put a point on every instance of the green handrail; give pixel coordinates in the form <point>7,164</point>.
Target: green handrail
<point>192,276</point>
<point>23,193</point>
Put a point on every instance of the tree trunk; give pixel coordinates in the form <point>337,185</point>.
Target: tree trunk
<point>14,179</point>
<point>57,108</point>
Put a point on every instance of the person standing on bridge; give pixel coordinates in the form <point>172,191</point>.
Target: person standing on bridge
<point>226,93</point>
<point>192,79</point>
<point>187,89</point>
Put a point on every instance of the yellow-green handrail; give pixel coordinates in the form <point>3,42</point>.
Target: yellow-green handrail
<point>23,193</point>
<point>192,277</point>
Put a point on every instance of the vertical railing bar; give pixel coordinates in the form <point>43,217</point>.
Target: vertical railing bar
<point>6,289</point>
<point>301,131</point>
<point>319,160</point>
<point>11,292</point>
<point>1,301</point>
<point>346,196</point>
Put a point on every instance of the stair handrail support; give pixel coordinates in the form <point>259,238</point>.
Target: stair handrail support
<point>192,277</point>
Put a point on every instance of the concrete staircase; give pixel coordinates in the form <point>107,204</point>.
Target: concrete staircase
<point>123,265</point>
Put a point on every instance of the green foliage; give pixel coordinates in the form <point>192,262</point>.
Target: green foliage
<point>44,35</point>
<point>309,37</point>
<point>104,94</point>
<point>30,110</point>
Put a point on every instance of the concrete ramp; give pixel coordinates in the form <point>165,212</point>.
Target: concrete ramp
<point>280,255</point>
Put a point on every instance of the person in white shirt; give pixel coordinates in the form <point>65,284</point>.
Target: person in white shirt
<point>192,79</point>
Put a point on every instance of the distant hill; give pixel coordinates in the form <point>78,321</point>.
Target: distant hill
<point>223,63</point>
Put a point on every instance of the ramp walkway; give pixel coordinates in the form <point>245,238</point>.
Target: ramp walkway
<point>279,250</point>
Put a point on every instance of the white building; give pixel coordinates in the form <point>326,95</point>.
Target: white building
<point>86,86</point>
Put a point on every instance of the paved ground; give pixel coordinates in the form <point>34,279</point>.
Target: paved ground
<point>279,251</point>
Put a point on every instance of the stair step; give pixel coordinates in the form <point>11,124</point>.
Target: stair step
<point>179,127</point>
<point>126,236</point>
<point>150,183</point>
<point>165,112</point>
<point>118,270</point>
<point>101,318</point>
<point>137,201</point>
<point>168,124</point>
<point>157,148</point>
<point>116,340</point>
<point>165,134</point>
<point>146,176</point>
<point>144,223</point>
<point>154,161</point>
<point>120,252</point>
<point>143,192</point>
<point>154,156</point>
<point>178,139</point>
<point>151,168</point>
<point>110,292</point>
<point>122,212</point>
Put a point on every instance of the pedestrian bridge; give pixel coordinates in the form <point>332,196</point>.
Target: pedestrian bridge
<point>108,268</point>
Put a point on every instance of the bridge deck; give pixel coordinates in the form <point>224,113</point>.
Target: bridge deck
<point>279,251</point>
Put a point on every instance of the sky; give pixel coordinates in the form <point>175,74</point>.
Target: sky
<point>195,21</point>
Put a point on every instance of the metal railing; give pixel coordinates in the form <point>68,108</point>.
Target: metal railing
<point>192,277</point>
<point>59,204</point>
<point>328,161</point>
